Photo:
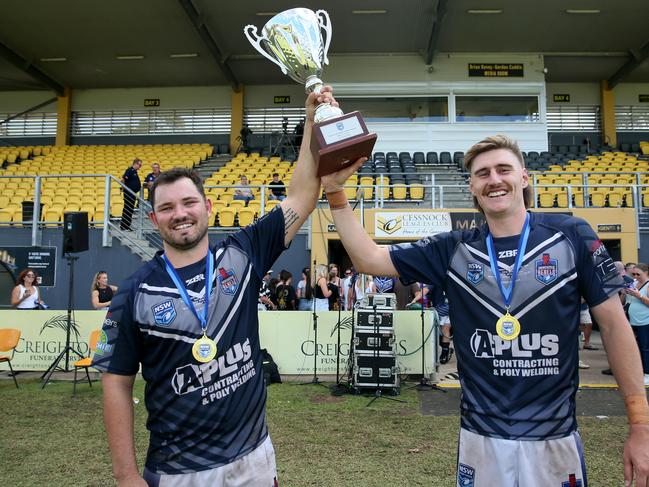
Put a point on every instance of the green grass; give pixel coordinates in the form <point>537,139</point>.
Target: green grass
<point>48,438</point>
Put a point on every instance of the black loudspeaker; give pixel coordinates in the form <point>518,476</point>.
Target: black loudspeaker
<point>75,231</point>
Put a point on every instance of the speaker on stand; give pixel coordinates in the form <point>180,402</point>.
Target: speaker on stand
<point>75,239</point>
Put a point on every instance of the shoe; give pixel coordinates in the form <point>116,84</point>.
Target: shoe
<point>446,355</point>
<point>590,347</point>
<point>607,372</point>
<point>646,379</point>
<point>582,365</point>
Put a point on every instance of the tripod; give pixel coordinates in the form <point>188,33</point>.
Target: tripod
<point>424,382</point>
<point>284,142</point>
<point>315,379</point>
<point>66,351</point>
<point>377,392</point>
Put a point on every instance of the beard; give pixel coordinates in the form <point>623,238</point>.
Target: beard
<point>185,242</point>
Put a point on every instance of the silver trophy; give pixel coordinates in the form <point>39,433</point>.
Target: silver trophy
<point>294,40</point>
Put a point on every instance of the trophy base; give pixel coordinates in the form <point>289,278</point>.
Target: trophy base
<point>339,141</point>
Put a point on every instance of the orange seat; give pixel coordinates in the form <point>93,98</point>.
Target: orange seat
<point>86,362</point>
<point>9,338</point>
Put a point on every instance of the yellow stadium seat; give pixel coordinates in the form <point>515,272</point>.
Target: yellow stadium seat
<point>399,191</point>
<point>615,198</point>
<point>562,199</point>
<point>597,198</point>
<point>546,199</point>
<point>246,216</point>
<point>237,204</point>
<point>226,217</point>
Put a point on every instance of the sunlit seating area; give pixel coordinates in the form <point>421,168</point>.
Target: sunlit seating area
<point>73,177</point>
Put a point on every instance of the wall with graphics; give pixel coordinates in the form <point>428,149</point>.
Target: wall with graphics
<point>617,226</point>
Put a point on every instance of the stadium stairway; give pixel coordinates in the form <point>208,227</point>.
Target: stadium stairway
<point>212,164</point>
<point>456,192</point>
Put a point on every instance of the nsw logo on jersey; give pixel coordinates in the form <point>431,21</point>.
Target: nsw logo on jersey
<point>474,273</point>
<point>164,313</point>
<point>572,481</point>
<point>465,475</point>
<point>546,269</point>
<point>228,281</point>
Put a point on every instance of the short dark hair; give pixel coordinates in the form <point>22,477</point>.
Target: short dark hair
<point>275,174</point>
<point>173,175</point>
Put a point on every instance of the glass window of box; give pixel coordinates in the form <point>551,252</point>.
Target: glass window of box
<point>497,109</point>
<point>398,109</point>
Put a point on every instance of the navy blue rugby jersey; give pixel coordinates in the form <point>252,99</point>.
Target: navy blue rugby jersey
<point>525,388</point>
<point>200,415</point>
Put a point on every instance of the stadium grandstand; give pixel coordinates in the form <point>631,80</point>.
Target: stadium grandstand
<point>88,87</point>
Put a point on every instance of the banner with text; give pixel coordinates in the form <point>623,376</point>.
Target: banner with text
<point>288,336</point>
<point>411,224</point>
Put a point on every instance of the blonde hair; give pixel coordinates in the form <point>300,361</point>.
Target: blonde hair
<point>95,281</point>
<point>489,144</point>
<point>320,271</point>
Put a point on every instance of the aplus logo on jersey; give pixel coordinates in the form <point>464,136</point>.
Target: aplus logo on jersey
<point>486,345</point>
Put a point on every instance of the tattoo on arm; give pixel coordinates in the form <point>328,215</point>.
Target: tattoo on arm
<point>290,218</point>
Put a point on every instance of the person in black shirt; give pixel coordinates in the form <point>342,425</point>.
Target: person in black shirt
<point>277,188</point>
<point>101,293</point>
<point>285,292</point>
<point>333,287</point>
<point>132,181</point>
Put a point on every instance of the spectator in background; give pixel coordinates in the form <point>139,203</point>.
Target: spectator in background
<point>150,178</point>
<point>335,278</point>
<point>628,268</point>
<point>639,314</point>
<point>298,131</point>
<point>334,297</point>
<point>264,302</point>
<point>101,293</point>
<point>243,192</point>
<point>346,284</point>
<point>285,292</point>
<point>408,295</point>
<point>272,286</point>
<point>277,188</point>
<point>445,335</point>
<point>321,290</point>
<point>131,180</point>
<point>304,291</point>
<point>26,294</point>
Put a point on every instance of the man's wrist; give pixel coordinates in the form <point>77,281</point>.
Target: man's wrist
<point>637,408</point>
<point>337,198</point>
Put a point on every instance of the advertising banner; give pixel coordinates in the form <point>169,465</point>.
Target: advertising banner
<point>411,224</point>
<point>288,336</point>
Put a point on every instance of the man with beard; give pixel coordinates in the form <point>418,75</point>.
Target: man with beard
<point>189,319</point>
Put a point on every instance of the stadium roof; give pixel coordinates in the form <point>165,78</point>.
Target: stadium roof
<point>76,43</point>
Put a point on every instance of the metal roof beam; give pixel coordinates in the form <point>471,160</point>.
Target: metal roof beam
<point>26,66</point>
<point>197,20</point>
<point>638,56</point>
<point>440,11</point>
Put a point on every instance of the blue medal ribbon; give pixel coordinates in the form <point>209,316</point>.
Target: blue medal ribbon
<point>182,290</point>
<point>507,293</point>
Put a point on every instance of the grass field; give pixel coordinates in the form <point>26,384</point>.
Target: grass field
<point>48,438</point>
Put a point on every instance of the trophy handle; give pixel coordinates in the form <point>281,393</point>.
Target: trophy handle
<point>325,24</point>
<point>255,39</point>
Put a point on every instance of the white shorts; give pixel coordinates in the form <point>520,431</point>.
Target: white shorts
<point>584,318</point>
<point>444,320</point>
<point>256,469</point>
<point>490,462</point>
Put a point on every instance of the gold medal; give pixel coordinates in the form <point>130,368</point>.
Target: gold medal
<point>204,349</point>
<point>508,327</point>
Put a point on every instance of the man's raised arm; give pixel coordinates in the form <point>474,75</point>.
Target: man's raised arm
<point>366,255</point>
<point>304,189</point>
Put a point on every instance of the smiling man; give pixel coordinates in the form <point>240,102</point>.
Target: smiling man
<point>189,319</point>
<point>514,288</point>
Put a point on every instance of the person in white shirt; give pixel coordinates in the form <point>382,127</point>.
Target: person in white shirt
<point>26,294</point>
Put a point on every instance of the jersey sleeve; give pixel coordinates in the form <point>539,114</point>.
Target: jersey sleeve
<point>119,345</point>
<point>264,240</point>
<point>424,261</point>
<point>598,277</point>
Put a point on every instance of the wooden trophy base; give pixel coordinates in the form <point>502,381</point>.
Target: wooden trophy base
<point>340,141</point>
